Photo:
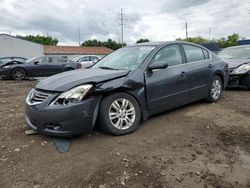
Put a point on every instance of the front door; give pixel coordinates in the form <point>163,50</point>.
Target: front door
<point>166,88</point>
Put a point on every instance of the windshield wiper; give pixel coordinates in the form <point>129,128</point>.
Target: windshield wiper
<point>107,68</point>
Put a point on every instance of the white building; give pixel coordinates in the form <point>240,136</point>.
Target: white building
<point>14,46</point>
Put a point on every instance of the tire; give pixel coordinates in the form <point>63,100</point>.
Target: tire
<point>215,90</point>
<point>18,74</point>
<point>119,114</point>
<point>69,69</point>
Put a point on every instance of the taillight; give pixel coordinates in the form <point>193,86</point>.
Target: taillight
<point>78,65</point>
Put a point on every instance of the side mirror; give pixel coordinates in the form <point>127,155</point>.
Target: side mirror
<point>95,60</point>
<point>36,62</point>
<point>157,65</point>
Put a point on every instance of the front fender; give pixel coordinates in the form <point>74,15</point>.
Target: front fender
<point>123,84</point>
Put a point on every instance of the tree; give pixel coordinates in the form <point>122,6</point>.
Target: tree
<point>93,42</point>
<point>231,40</point>
<point>142,40</point>
<point>197,40</point>
<point>109,44</point>
<point>45,40</point>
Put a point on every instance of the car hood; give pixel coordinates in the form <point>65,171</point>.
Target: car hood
<point>233,63</point>
<point>67,80</point>
<point>10,63</point>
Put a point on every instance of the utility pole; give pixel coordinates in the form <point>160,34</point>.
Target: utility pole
<point>186,25</point>
<point>121,18</point>
<point>209,33</point>
<point>79,35</point>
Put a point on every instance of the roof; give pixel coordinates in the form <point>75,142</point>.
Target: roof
<point>156,43</point>
<point>162,43</point>
<point>71,50</point>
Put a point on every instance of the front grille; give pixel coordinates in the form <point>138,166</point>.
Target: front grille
<point>37,97</point>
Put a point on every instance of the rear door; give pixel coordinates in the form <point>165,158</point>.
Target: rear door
<point>199,70</point>
<point>166,88</point>
<point>56,65</point>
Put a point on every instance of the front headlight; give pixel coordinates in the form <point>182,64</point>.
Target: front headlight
<point>74,95</point>
<point>6,67</point>
<point>242,69</point>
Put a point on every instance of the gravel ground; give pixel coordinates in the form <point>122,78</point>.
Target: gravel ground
<point>199,145</point>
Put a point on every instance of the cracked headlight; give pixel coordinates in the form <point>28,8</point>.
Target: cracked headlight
<point>6,67</point>
<point>242,69</point>
<point>72,96</point>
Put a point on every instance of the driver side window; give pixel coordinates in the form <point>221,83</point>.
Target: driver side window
<point>44,60</point>
<point>170,54</point>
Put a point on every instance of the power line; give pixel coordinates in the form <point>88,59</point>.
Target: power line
<point>122,19</point>
<point>209,33</point>
<point>186,25</point>
<point>79,35</point>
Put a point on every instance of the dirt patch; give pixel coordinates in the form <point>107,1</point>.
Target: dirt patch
<point>198,145</point>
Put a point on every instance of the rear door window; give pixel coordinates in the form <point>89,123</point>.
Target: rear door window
<point>193,53</point>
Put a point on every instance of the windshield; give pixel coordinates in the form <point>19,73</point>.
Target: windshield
<point>4,60</point>
<point>127,58</point>
<point>31,59</point>
<point>234,53</point>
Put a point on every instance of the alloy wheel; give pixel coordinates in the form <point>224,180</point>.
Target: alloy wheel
<point>122,114</point>
<point>216,89</point>
<point>18,74</point>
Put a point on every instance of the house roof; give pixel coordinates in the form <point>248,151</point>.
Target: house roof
<point>49,50</point>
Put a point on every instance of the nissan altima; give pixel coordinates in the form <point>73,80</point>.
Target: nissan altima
<point>36,67</point>
<point>125,88</point>
<point>238,59</point>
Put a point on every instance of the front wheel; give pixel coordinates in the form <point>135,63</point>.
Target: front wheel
<point>18,74</point>
<point>215,90</point>
<point>120,114</point>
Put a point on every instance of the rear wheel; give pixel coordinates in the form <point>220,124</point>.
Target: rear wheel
<point>215,90</point>
<point>69,69</point>
<point>120,114</point>
<point>18,74</point>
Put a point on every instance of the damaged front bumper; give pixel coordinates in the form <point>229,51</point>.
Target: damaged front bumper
<point>239,81</point>
<point>63,121</point>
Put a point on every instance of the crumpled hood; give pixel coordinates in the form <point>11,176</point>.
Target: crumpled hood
<point>233,63</point>
<point>10,63</point>
<point>68,80</point>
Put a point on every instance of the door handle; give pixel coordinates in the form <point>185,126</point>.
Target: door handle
<point>183,74</point>
<point>210,66</point>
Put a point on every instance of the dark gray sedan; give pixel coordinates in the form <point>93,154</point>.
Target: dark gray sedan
<point>125,88</point>
<point>36,67</point>
<point>238,59</point>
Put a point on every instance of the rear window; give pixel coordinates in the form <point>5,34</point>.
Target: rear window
<point>193,53</point>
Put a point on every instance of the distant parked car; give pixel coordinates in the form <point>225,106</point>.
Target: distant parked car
<point>125,88</point>
<point>87,60</point>
<point>36,67</point>
<point>5,60</point>
<point>238,59</point>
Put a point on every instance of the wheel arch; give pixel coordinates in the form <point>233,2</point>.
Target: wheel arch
<point>68,68</point>
<point>221,76</point>
<point>18,67</point>
<point>144,113</point>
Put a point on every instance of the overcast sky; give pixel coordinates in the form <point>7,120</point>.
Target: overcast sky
<point>153,19</point>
